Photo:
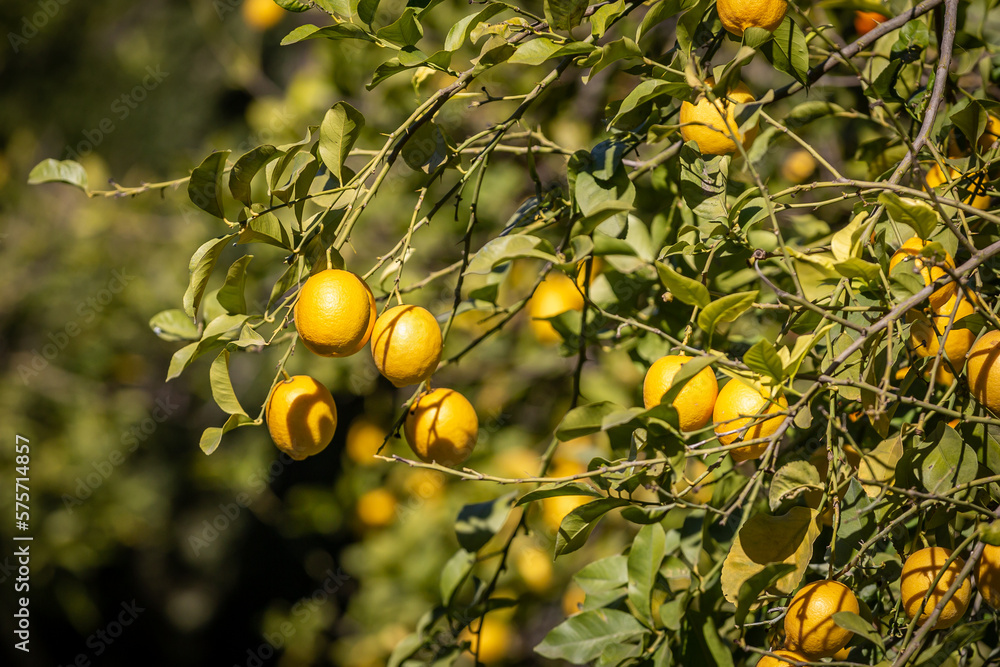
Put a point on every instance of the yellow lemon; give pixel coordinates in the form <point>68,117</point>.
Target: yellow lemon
<point>771,661</point>
<point>335,313</point>
<point>925,339</point>
<point>990,134</point>
<point>261,14</point>
<point>491,639</point>
<point>534,566</point>
<point>555,295</point>
<point>442,426</point>
<point>984,371</point>
<point>301,416</point>
<point>573,599</point>
<point>736,409</point>
<point>798,166</point>
<point>712,124</point>
<point>988,575</point>
<point>376,508</point>
<point>919,572</point>
<point>910,252</point>
<point>738,15</point>
<point>694,403</point>
<point>406,345</point>
<point>364,437</point>
<point>809,626</point>
<point>975,184</point>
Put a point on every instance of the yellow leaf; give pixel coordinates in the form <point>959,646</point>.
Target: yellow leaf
<point>879,465</point>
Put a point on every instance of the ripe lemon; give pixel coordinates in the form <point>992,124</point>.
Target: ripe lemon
<point>335,313</point>
<point>738,15</point>
<point>493,641</point>
<point>865,22</point>
<point>555,295</point>
<point>798,166</point>
<point>771,661</point>
<point>376,508</point>
<point>573,599</point>
<point>261,14</point>
<point>910,252</point>
<point>809,626</point>
<point>442,426</point>
<point>990,134</point>
<point>925,339</point>
<point>364,437</point>
<point>984,371</point>
<point>976,185</point>
<point>713,125</point>
<point>406,345</point>
<point>695,401</point>
<point>919,572</point>
<point>734,411</point>
<point>301,416</point>
<point>988,575</point>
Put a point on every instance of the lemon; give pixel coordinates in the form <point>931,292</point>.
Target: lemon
<point>865,22</point>
<point>975,184</point>
<point>984,371</point>
<point>406,345</point>
<point>736,409</point>
<point>988,575</point>
<point>771,661</point>
<point>261,14</point>
<point>809,625</point>
<point>738,15</point>
<point>694,402</point>
<point>712,124</point>
<point>925,336</point>
<point>798,166</point>
<point>364,437</point>
<point>555,295</point>
<point>376,508</point>
<point>909,252</point>
<point>442,426</point>
<point>919,572</point>
<point>335,313</point>
<point>301,416</point>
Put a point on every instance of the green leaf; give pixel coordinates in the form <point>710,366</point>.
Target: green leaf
<point>205,186</point>
<point>915,214</point>
<point>601,212</point>
<point>56,171</point>
<point>755,37</point>
<point>751,589</point>
<point>292,5</point>
<point>455,571</point>
<point>606,574</point>
<point>788,51</point>
<point>174,325</point>
<point>660,12</point>
<point>564,14</point>
<point>249,337</point>
<point>333,32</point>
<point>583,638</point>
<point>183,357</point>
<point>577,525</point>
<point>688,290</point>
<point>506,248</point>
<point>246,168</point>
<point>763,358</point>
<point>858,268</point>
<point>231,295</point>
<point>859,626</point>
<point>265,228</point>
<point>201,265</point>
<point>222,386</point>
<point>212,436</point>
<point>586,419</point>
<point>478,523</point>
<point>791,480</point>
<point>459,32</point>
<point>725,309</point>
<point>942,461</point>
<point>341,128</point>
<point>428,148</point>
<point>644,558</point>
<point>404,31</point>
<point>559,489</point>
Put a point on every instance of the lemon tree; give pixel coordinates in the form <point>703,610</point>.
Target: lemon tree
<point>514,212</point>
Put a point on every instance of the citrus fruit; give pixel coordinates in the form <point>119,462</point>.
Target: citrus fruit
<point>984,371</point>
<point>771,661</point>
<point>712,124</point>
<point>990,134</point>
<point>335,313</point>
<point>988,575</point>
<point>406,345</point>
<point>442,426</point>
<point>910,252</point>
<point>919,572</point>
<point>261,14</point>
<point>925,336</point>
<point>376,508</point>
<point>695,400</point>
<point>364,437</point>
<point>865,22</point>
<point>573,599</point>
<point>736,409</point>
<point>798,166</point>
<point>809,626</point>
<point>534,566</point>
<point>555,295</point>
<point>301,416</point>
<point>975,184</point>
<point>738,15</point>
<point>596,266</point>
<point>491,639</point>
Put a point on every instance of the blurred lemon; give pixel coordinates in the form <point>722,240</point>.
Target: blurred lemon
<point>712,123</point>
<point>493,641</point>
<point>534,567</point>
<point>423,483</point>
<point>798,166</point>
<point>865,22</point>
<point>517,463</point>
<point>573,599</point>
<point>261,14</point>
<point>990,134</point>
<point>555,295</point>
<point>376,508</point>
<point>364,437</point>
<point>975,184</point>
